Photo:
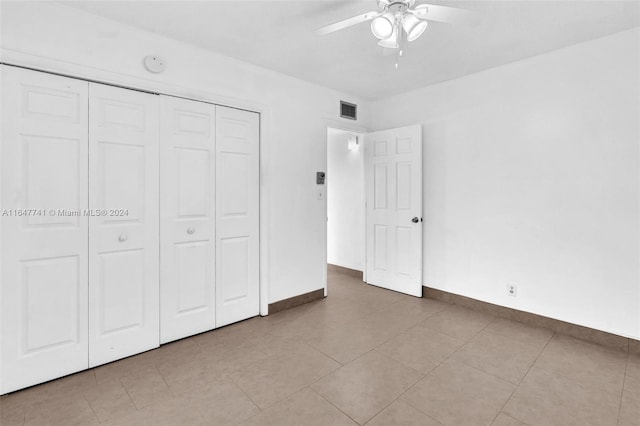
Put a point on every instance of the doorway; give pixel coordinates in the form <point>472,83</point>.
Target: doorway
<point>374,206</point>
<point>345,200</point>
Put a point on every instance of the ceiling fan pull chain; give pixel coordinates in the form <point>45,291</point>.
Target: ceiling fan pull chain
<point>401,40</point>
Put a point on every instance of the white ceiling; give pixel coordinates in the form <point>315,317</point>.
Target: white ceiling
<point>280,35</point>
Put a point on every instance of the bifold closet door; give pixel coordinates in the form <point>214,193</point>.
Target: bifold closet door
<point>123,233</point>
<point>43,229</point>
<point>187,218</point>
<point>237,215</point>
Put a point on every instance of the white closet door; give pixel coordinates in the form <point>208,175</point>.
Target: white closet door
<point>123,239</point>
<point>237,215</point>
<point>44,254</point>
<point>187,238</point>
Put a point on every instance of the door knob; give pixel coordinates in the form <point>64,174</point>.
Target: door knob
<point>415,220</point>
<point>191,230</point>
<point>122,238</point>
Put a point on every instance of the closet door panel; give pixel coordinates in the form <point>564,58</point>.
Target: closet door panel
<point>237,218</point>
<point>123,228</point>
<point>187,218</point>
<point>43,281</point>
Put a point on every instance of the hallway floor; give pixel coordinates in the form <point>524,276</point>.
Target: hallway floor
<point>363,355</point>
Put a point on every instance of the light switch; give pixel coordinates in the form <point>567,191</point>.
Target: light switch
<point>320,194</point>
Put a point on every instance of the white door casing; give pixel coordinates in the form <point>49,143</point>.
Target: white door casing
<point>123,244</point>
<point>44,256</point>
<point>187,218</point>
<point>393,182</point>
<point>237,215</point>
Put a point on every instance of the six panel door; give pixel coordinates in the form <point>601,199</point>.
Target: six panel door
<point>123,232</point>
<point>237,215</point>
<point>393,181</point>
<point>44,251</point>
<point>187,219</point>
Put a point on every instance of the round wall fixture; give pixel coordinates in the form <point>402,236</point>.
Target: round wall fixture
<point>154,64</point>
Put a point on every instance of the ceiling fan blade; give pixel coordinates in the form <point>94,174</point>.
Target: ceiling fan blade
<point>449,15</point>
<point>340,25</point>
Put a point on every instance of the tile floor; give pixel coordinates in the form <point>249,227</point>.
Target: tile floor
<point>361,356</point>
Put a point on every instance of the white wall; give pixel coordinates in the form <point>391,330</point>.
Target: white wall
<point>531,169</point>
<point>55,37</point>
<point>531,175</point>
<point>345,201</point>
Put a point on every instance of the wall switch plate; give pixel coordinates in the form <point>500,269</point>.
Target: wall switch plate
<point>320,194</point>
<point>512,289</point>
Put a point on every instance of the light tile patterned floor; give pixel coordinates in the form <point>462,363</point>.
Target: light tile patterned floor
<point>361,356</point>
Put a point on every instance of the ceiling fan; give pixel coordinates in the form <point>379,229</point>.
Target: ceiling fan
<point>399,19</point>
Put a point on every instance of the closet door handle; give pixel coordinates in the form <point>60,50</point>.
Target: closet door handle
<point>190,230</point>
<point>122,238</point>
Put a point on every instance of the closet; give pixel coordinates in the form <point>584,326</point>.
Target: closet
<point>129,219</point>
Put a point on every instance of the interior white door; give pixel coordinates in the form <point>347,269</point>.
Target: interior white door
<point>123,234</point>
<point>237,215</point>
<point>44,233</point>
<point>393,180</point>
<point>187,218</point>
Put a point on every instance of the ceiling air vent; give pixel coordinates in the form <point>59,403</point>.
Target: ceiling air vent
<point>348,110</point>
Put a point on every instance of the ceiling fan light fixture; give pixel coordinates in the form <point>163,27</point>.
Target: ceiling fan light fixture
<point>381,27</point>
<point>390,42</point>
<point>413,26</point>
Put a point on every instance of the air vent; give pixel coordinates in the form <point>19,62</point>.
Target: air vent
<point>348,110</point>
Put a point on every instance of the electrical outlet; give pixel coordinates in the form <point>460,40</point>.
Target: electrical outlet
<point>512,289</point>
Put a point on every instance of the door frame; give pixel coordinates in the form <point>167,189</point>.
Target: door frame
<point>347,126</point>
<point>72,70</point>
